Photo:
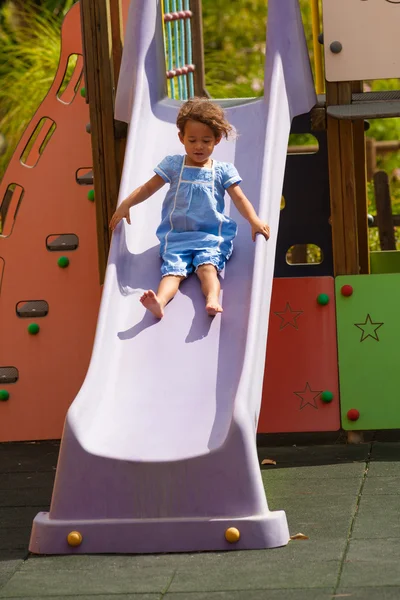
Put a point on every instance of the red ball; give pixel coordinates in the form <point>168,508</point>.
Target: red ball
<point>181,14</point>
<point>347,290</point>
<point>175,16</point>
<point>353,414</point>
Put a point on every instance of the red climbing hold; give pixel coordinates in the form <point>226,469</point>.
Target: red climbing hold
<point>353,414</point>
<point>347,290</point>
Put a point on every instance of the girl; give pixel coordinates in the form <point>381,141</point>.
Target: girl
<point>194,233</point>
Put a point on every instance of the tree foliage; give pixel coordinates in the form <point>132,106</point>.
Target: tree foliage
<point>29,55</point>
<point>28,62</point>
<point>234,45</point>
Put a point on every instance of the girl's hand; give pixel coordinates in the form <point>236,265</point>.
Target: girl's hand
<point>260,227</point>
<point>122,212</point>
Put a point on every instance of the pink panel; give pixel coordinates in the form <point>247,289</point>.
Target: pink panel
<point>53,363</point>
<point>301,358</point>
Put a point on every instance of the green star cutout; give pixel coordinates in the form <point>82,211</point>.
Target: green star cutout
<point>369,329</point>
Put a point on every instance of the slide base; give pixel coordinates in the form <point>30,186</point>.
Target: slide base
<point>134,536</point>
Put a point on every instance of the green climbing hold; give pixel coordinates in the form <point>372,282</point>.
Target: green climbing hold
<point>4,395</point>
<point>63,262</point>
<point>327,396</point>
<point>83,92</point>
<point>33,328</point>
<point>323,299</point>
<point>90,195</point>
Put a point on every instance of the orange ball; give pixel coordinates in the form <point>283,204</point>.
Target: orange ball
<point>232,535</point>
<point>74,538</point>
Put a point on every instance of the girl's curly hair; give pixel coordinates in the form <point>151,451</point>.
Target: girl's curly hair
<point>207,112</point>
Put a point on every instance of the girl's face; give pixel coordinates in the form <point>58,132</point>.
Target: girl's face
<point>199,141</point>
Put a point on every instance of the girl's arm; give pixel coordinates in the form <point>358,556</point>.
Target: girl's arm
<point>139,195</point>
<point>247,211</point>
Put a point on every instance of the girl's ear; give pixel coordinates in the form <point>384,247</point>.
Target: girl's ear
<point>180,136</point>
<point>217,140</point>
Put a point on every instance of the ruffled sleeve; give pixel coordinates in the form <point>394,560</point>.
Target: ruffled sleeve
<point>230,175</point>
<point>167,168</point>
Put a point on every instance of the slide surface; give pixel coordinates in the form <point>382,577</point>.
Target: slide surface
<point>165,422</point>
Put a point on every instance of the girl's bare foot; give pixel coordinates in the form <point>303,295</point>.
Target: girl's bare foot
<point>213,307</point>
<point>153,304</point>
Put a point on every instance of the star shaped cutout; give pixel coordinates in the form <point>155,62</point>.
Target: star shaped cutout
<point>289,317</point>
<point>369,329</point>
<point>308,396</point>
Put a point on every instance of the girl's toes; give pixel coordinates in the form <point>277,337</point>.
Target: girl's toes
<point>213,308</point>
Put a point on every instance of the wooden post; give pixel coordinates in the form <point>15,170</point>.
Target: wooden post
<point>318,60</point>
<point>116,36</point>
<point>371,146</point>
<point>361,189</point>
<point>384,211</point>
<point>342,185</point>
<point>361,196</point>
<point>335,183</point>
<point>198,48</point>
<point>100,67</point>
<point>120,128</point>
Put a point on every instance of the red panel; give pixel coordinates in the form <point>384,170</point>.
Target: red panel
<point>301,358</point>
<point>52,364</point>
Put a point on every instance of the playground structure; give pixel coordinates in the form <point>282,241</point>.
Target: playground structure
<point>319,312</point>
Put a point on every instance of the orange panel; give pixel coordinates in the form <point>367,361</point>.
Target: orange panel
<point>53,363</point>
<point>301,358</point>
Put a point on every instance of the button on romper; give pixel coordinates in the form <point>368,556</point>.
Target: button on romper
<point>194,230</point>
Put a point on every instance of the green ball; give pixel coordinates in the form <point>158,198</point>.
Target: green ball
<point>4,395</point>
<point>327,396</point>
<point>323,299</point>
<point>33,328</point>
<point>90,195</point>
<point>83,92</point>
<point>63,262</point>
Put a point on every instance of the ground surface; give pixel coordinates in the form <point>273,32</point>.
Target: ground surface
<point>345,498</point>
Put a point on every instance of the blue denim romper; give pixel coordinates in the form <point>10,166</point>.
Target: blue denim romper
<point>194,230</point>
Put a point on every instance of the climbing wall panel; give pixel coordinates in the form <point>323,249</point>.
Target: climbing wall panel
<point>368,339</point>
<point>304,218</point>
<point>301,379</point>
<point>49,284</point>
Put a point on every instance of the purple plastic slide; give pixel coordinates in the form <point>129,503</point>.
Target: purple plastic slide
<point>159,448</point>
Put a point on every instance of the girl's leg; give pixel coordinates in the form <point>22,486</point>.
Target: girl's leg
<point>167,289</point>
<point>211,288</point>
